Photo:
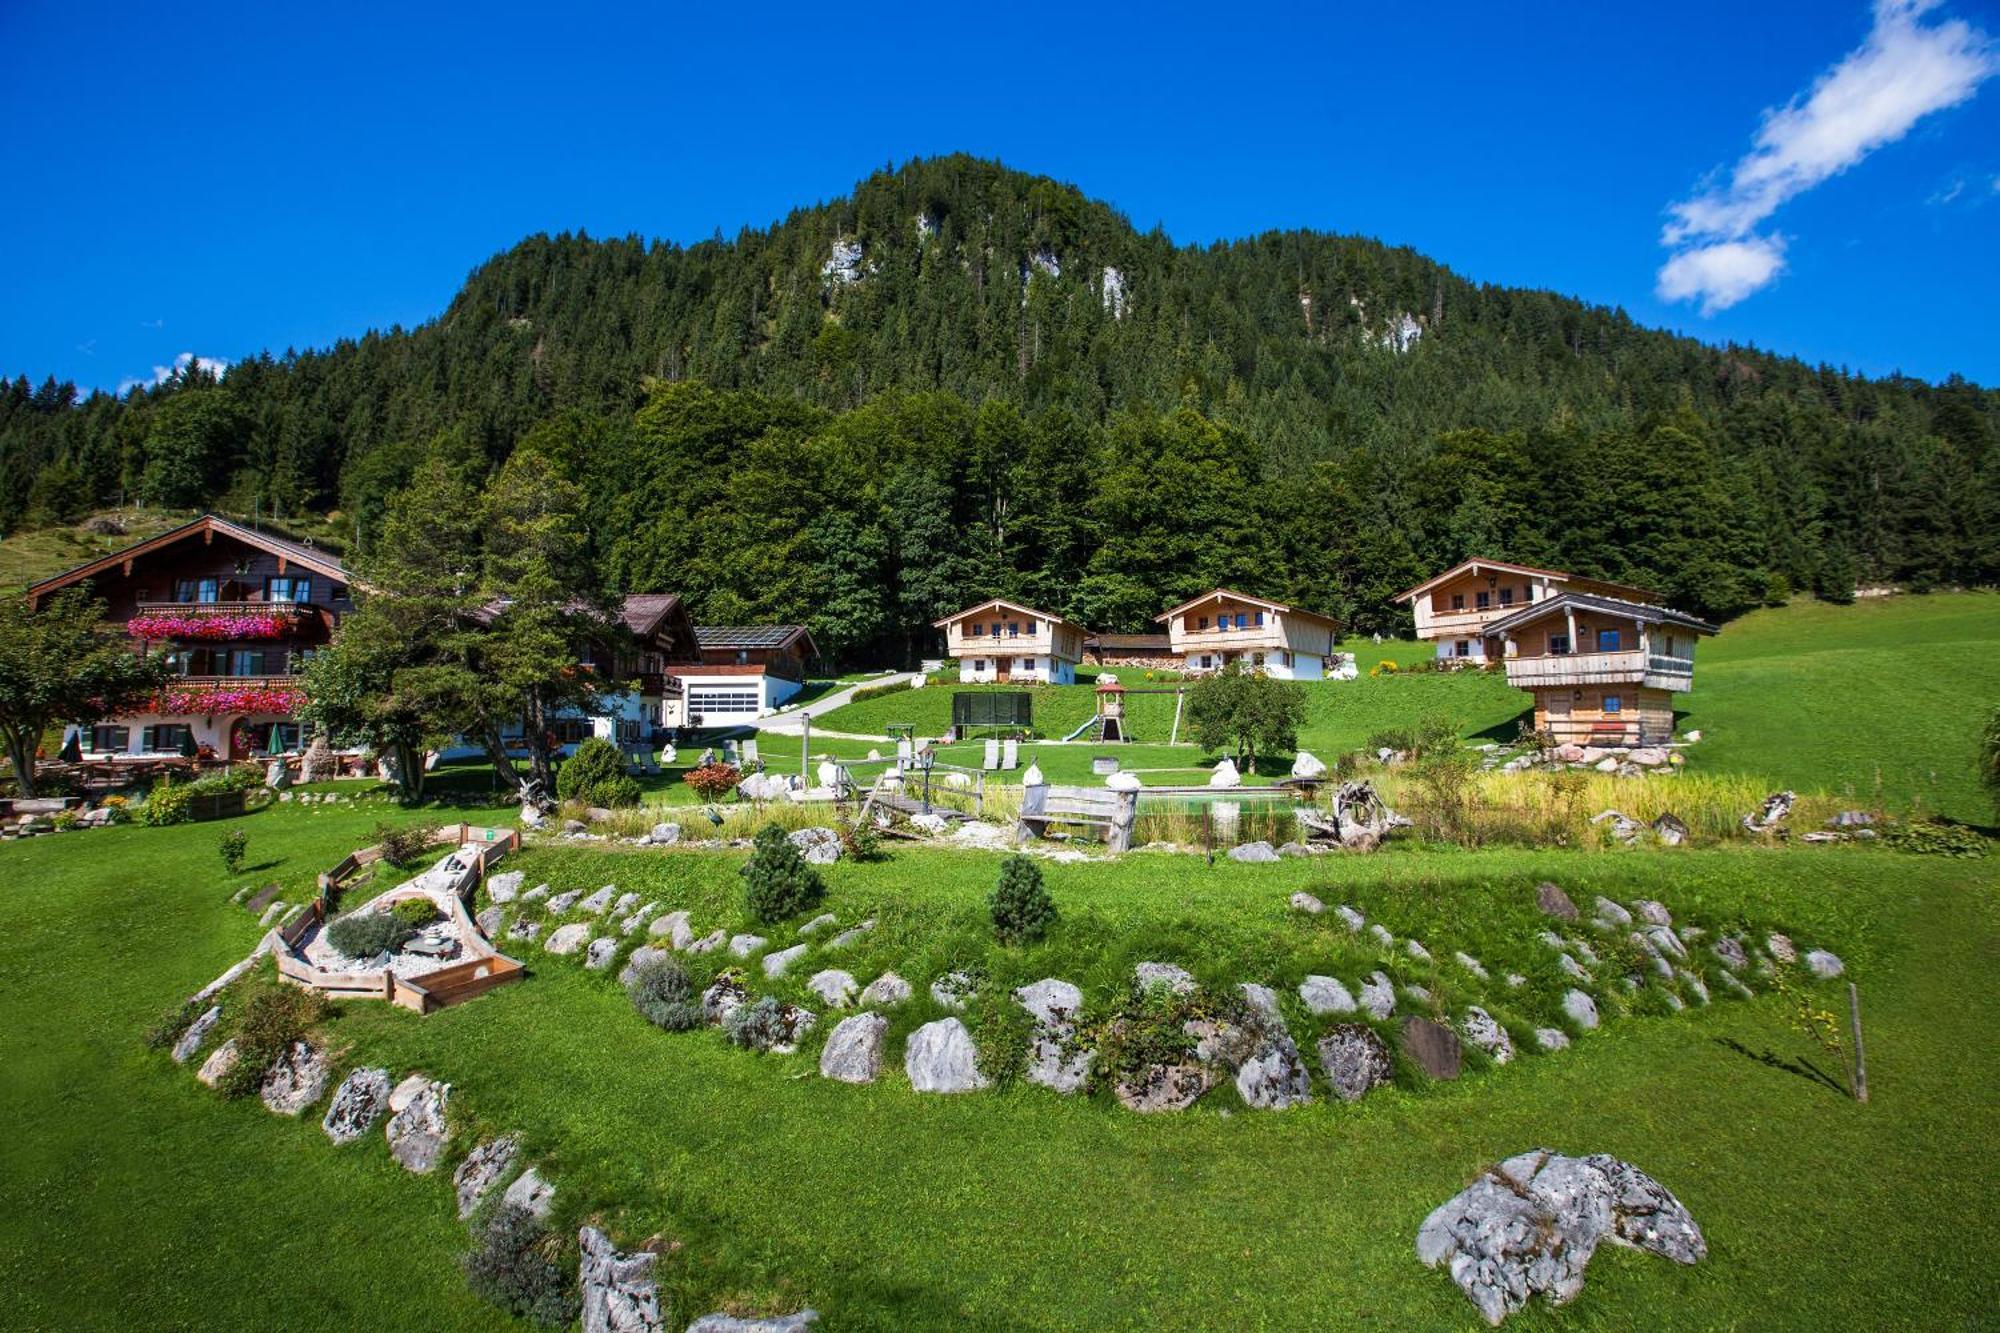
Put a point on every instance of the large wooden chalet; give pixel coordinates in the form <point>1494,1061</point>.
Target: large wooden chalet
<point>1000,641</point>
<point>1457,609</point>
<point>1603,670</point>
<point>1221,626</point>
<point>237,612</point>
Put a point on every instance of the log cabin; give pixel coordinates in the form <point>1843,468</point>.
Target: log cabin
<point>1458,608</point>
<point>1221,626</point>
<point>999,641</point>
<point>1603,670</point>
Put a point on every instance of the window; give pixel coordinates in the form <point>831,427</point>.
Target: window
<point>1206,662</point>
<point>1612,703</point>
<point>1031,627</point>
<point>1506,597</point>
<point>1013,629</point>
<point>1607,641</point>
<point>742,657</point>
<point>1257,659</point>
<point>1458,601</point>
<point>1461,648</point>
<point>1260,620</point>
<point>1558,645</point>
<point>570,730</point>
<point>978,630</point>
<point>1242,621</point>
<point>1482,600</point>
<point>282,589</point>
<point>1024,664</point>
<point>279,737</point>
<point>996,629</point>
<point>979,664</point>
<point>246,662</point>
<point>164,738</point>
<point>110,740</point>
<point>1202,623</point>
<point>208,590</point>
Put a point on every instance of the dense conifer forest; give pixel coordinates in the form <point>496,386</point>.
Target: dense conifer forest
<point>964,380</point>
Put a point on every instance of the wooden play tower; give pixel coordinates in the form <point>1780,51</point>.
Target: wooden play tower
<point>1110,710</point>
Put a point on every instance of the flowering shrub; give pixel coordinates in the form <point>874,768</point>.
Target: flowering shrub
<point>220,625</point>
<point>712,782</point>
<point>183,701</point>
<point>1385,667</point>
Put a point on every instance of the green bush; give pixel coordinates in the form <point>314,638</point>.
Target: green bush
<point>240,777</point>
<point>1022,908</point>
<point>756,1027</point>
<point>273,1018</point>
<point>519,1264</point>
<point>779,882</point>
<point>230,847</point>
<point>595,775</point>
<point>712,782</point>
<point>364,934</point>
<point>403,844</point>
<point>1935,837</point>
<point>415,913</point>
<point>661,990</point>
<point>167,803</point>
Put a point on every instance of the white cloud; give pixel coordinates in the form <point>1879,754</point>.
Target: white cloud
<point>1903,71</point>
<point>1721,274</point>
<point>213,365</point>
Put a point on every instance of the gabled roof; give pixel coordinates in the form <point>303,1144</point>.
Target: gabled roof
<point>1644,612</point>
<point>298,553</point>
<point>650,614</point>
<point>776,637</point>
<point>1028,611</point>
<point>1217,594</point>
<point>1480,562</point>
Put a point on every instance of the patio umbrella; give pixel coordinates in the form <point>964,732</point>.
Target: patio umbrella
<point>189,749</point>
<point>72,753</point>
<point>276,745</point>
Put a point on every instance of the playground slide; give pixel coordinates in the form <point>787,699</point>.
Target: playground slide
<point>1088,723</point>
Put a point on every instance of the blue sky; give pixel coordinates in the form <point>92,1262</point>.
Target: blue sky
<point>1818,179</point>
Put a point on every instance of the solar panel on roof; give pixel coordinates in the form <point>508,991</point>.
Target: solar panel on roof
<point>744,636</point>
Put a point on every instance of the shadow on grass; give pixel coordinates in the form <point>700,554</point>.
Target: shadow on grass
<point>1802,1068</point>
<point>1509,731</point>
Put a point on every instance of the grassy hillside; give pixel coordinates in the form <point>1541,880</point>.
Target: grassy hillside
<point>1011,1208</point>
<point>1883,697</point>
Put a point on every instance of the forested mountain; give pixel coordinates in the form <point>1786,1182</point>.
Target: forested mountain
<point>964,380</point>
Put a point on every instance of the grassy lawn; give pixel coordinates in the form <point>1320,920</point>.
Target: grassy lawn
<point>1882,697</point>
<point>1011,1208</point>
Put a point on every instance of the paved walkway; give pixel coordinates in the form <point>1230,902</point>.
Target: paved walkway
<point>792,723</point>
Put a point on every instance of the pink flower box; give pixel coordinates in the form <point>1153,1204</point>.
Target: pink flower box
<point>218,625</point>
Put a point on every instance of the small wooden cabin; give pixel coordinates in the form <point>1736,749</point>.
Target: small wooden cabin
<point>1221,626</point>
<point>999,641</point>
<point>1603,670</point>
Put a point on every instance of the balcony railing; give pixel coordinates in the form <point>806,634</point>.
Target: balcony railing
<point>210,696</point>
<point>1632,667</point>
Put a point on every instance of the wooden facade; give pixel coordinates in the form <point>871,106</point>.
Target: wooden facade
<point>1222,626</point>
<point>1458,608</point>
<point>1001,641</point>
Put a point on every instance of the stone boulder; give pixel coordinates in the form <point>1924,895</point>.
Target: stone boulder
<point>1325,995</point>
<point>418,1132</point>
<point>742,946</point>
<point>197,1032</point>
<point>483,1168</point>
<point>1729,952</point>
<point>1610,914</point>
<point>620,1294</point>
<point>568,939</point>
<point>1123,782</point>
<point>1380,934</point>
<point>674,927</point>
<point>1053,1062</point>
<point>596,902</point>
<point>851,935</point>
<point>1485,1032</point>
<point>296,1080</point>
<point>1470,964</point>
<point>664,835</point>
<point>1670,829</point>
<point>636,962</point>
<point>220,1061</point>
<point>853,1050</point>
<point>709,943</point>
<point>489,921</point>
<point>602,951</point>
<point>941,1057</point>
<point>1554,902</point>
<point>524,930</point>
<point>1225,775</point>
<point>1551,1039</point>
<point>1254,852</point>
<point>1532,1223</point>
<point>818,846</point>
<point>1824,965</point>
<point>1175,978</point>
<point>357,1104</point>
<point>834,987</point>
<point>1782,948</point>
<point>505,886</point>
<point>723,998</point>
<point>819,923</point>
<point>1355,1059</point>
<point>1582,1010</point>
<point>1307,767</point>
<point>562,902</point>
<point>1162,1088</point>
<point>1273,1075</point>
<point>1433,1047</point>
<point>777,964</point>
<point>887,989</point>
<point>1350,918</point>
<point>1652,913</point>
<point>1378,996</point>
<point>1305,902</point>
<point>531,1194</point>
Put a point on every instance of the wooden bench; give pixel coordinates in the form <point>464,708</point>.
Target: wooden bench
<point>1083,807</point>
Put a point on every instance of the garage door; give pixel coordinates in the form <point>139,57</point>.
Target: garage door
<point>710,704</point>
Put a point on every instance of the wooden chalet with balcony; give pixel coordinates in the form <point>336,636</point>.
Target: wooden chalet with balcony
<point>237,612</point>
<point>1603,670</point>
<point>1221,626</point>
<point>1458,608</point>
<point>1001,641</point>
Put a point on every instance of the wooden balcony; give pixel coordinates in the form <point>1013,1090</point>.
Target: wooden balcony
<point>1651,670</point>
<point>225,608</point>
<point>233,682</point>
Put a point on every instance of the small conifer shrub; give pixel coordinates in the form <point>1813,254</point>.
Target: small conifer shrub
<point>779,882</point>
<point>1022,908</point>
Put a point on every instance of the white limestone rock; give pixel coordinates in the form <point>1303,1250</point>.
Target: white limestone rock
<point>359,1101</point>
<point>1824,965</point>
<point>1175,978</point>
<point>742,946</point>
<point>853,1050</point>
<point>1053,1061</point>
<point>418,1133</point>
<point>568,939</point>
<point>941,1057</point>
<point>1551,1039</point>
<point>505,886</point>
<point>197,1032</point>
<point>1484,1031</point>
<point>674,927</point>
<point>620,1294</point>
<point>1356,1060</point>
<point>887,990</point>
<point>1350,918</point>
<point>1378,996</point>
<point>834,987</point>
<point>483,1168</point>
<point>602,951</point>
<point>218,1064</point>
<point>777,964</point>
<point>1582,1010</point>
<point>296,1080</point>
<point>531,1194</point>
<point>1325,995</point>
<point>1305,902</point>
